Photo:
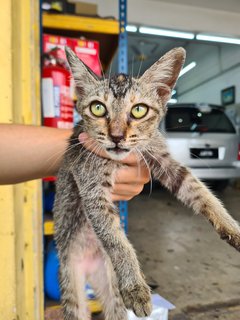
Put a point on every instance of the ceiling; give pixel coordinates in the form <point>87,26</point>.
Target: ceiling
<point>144,50</point>
<point>213,16</point>
<point>219,17</point>
<point>229,5</point>
<point>212,59</point>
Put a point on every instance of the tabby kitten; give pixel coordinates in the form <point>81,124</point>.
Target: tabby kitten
<point>121,115</point>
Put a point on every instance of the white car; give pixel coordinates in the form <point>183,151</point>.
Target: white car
<point>203,137</point>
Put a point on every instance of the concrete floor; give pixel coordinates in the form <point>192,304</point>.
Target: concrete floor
<point>180,252</point>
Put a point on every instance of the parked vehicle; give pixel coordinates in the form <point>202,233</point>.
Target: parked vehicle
<point>204,138</point>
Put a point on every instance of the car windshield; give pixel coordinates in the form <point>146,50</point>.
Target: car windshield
<point>192,119</point>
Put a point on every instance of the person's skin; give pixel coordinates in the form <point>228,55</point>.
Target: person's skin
<point>31,152</point>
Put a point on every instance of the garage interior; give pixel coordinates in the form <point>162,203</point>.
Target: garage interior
<point>182,256</point>
<point>183,259</point>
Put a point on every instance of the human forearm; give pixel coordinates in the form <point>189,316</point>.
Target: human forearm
<point>30,152</point>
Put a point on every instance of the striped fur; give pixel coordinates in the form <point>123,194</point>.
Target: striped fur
<point>91,244</point>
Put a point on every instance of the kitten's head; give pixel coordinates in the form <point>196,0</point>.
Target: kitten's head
<point>123,113</point>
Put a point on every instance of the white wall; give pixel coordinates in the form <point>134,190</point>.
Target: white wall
<point>217,69</point>
<point>209,16</point>
<point>211,91</point>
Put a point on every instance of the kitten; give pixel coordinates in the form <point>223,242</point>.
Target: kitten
<point>121,115</point>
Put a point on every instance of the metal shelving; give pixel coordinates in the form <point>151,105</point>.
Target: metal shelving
<point>103,30</point>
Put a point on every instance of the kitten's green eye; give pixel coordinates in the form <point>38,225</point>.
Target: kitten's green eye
<point>139,111</point>
<point>98,109</point>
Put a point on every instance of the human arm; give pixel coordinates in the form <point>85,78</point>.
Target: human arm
<point>32,152</point>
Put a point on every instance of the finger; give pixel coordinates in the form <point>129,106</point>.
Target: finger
<point>117,197</point>
<point>88,143</point>
<point>127,189</point>
<point>132,175</point>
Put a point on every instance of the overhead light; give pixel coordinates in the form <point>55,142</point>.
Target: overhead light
<point>131,28</point>
<point>166,33</point>
<point>174,92</point>
<point>187,68</point>
<point>206,37</point>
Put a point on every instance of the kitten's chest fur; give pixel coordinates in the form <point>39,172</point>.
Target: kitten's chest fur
<point>82,174</point>
<point>93,168</point>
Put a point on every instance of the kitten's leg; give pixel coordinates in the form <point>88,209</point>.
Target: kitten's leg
<point>105,221</point>
<point>193,193</point>
<point>104,282</point>
<point>72,281</point>
<point>70,224</point>
<point>106,224</point>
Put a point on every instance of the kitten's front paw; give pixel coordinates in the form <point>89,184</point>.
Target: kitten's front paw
<point>138,299</point>
<point>233,238</point>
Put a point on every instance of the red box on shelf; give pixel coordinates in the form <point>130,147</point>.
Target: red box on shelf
<point>57,83</point>
<point>88,52</point>
<point>51,41</point>
<point>57,86</point>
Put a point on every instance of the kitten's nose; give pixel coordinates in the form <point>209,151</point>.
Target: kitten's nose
<point>117,138</point>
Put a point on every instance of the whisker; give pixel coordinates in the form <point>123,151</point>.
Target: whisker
<point>72,139</point>
<point>101,67</point>
<point>132,64</point>
<point>90,153</point>
<point>95,155</point>
<point>59,152</point>
<point>160,164</point>
<point>140,68</point>
<point>150,174</point>
<point>109,75</point>
<point>81,153</point>
<point>77,158</point>
<point>78,124</point>
<point>69,147</point>
<point>60,155</point>
<point>152,156</point>
<point>138,162</point>
<point>201,159</point>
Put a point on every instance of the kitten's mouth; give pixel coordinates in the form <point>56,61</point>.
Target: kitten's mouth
<point>117,150</point>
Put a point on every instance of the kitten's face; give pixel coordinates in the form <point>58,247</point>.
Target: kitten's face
<point>123,114</point>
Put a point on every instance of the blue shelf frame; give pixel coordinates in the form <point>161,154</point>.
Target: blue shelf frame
<point>123,68</point>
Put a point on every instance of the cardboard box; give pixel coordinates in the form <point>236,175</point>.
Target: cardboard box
<point>51,41</point>
<point>85,8</point>
<point>58,96</point>
<point>88,52</point>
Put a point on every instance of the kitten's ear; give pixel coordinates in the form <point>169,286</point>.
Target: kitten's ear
<point>163,74</point>
<point>83,76</point>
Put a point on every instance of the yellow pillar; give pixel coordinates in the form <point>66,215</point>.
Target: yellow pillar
<point>21,288</point>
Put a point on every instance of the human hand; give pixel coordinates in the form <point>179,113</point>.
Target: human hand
<point>129,180</point>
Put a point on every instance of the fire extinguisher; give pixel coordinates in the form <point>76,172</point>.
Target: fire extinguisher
<point>57,92</point>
